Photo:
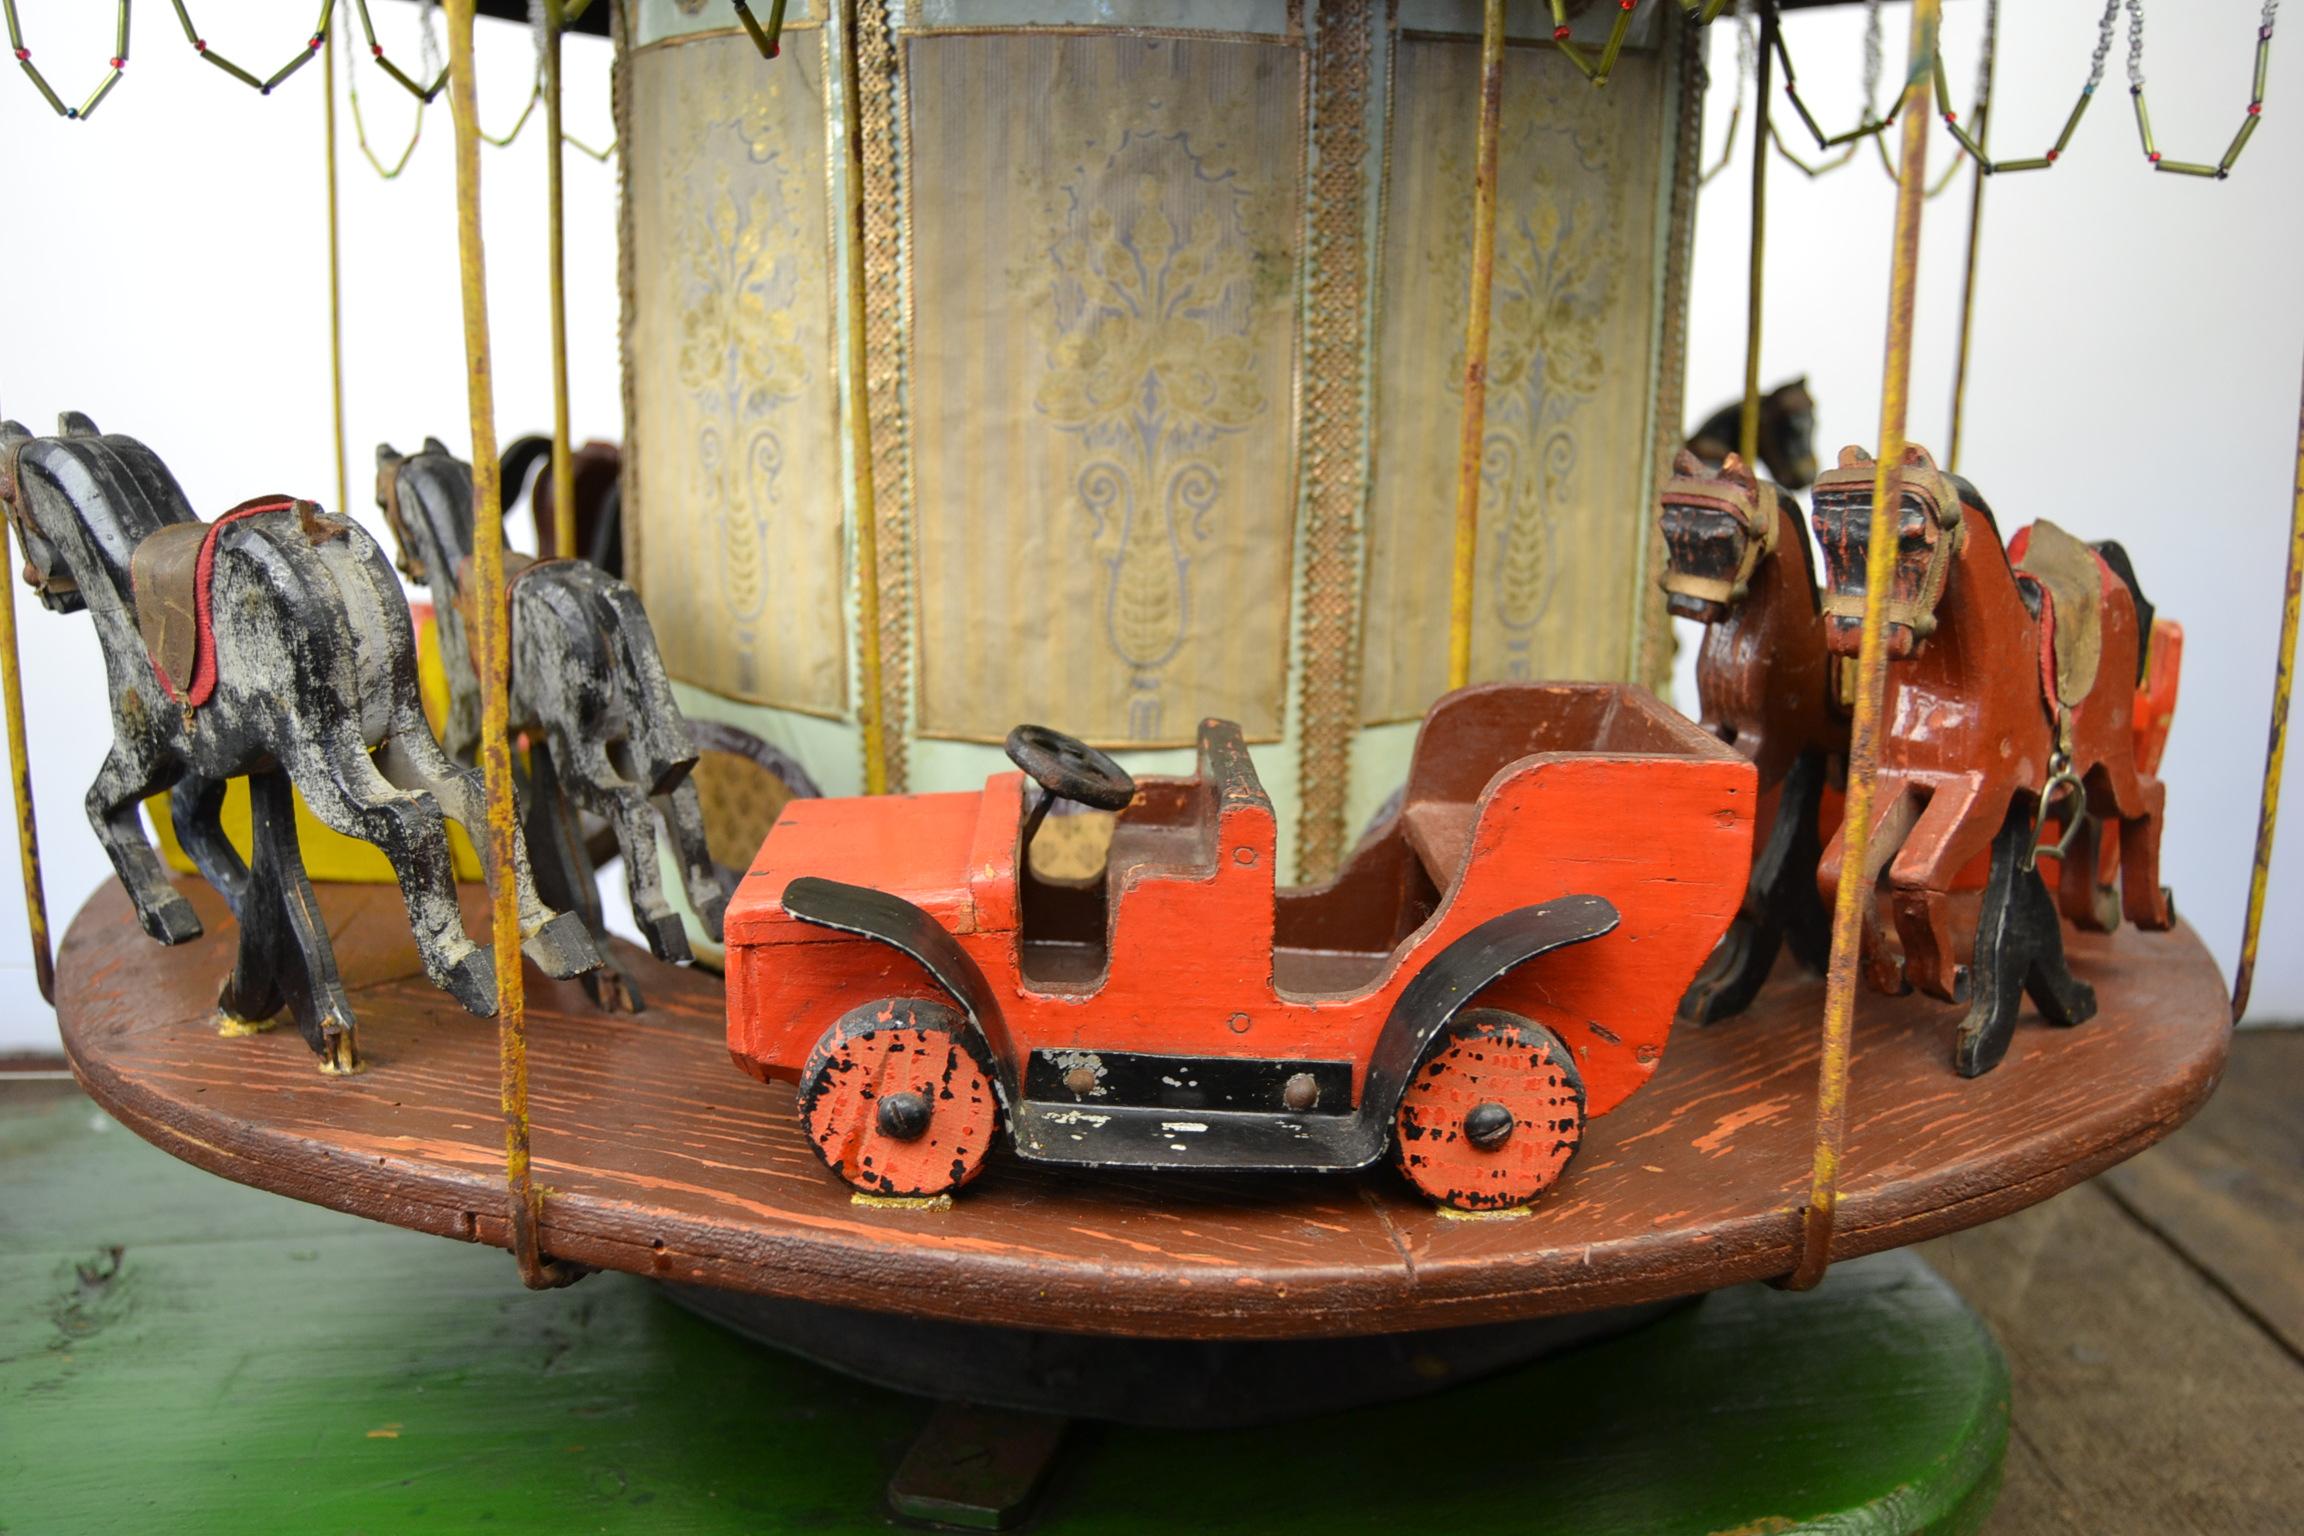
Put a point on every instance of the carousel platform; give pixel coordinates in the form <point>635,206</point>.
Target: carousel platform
<point>663,1160</point>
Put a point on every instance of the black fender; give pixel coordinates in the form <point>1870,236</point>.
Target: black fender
<point>897,923</point>
<point>1452,978</point>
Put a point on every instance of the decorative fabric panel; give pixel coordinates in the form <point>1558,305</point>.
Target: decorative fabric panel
<point>1104,232</point>
<point>1570,379</point>
<point>735,431</point>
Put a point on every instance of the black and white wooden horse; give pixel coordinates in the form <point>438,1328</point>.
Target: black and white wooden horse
<point>605,734</point>
<point>275,643</point>
<point>1787,438</point>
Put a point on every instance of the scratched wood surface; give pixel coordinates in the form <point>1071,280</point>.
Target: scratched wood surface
<point>663,1159</point>
<point>181,1355</point>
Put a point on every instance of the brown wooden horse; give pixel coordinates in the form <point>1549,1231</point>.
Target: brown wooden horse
<point>2007,686</point>
<point>1738,562</point>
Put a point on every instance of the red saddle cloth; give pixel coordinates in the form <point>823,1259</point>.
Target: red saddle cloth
<point>173,573</point>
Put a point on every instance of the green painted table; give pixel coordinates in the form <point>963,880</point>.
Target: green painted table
<point>179,1353</point>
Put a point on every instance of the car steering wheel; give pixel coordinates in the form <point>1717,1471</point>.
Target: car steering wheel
<point>1067,768</point>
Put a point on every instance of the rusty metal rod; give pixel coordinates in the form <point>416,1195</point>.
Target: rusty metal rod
<point>1816,1217</point>
<point>335,279</point>
<point>556,262</point>
<point>1983,116</point>
<point>1748,429</point>
<point>492,654</point>
<point>1475,425</point>
<point>20,760</point>
<point>869,714</point>
<point>2275,747</point>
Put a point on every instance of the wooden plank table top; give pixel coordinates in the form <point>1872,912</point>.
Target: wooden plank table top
<point>181,1354</point>
<point>662,1159</point>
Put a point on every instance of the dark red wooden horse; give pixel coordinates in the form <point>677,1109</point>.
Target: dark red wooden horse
<point>1738,562</point>
<point>2010,683</point>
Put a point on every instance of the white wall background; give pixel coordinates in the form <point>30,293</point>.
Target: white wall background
<point>2136,373</point>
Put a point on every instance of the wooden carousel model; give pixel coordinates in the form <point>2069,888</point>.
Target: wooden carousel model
<point>972,1107</point>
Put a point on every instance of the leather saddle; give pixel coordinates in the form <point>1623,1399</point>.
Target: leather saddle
<point>2073,577</point>
<point>173,570</point>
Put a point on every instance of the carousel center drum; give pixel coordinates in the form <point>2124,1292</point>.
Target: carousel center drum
<point>1120,352</point>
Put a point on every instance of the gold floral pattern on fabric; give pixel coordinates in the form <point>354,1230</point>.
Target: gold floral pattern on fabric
<point>1103,371</point>
<point>1565,452</point>
<point>737,404</point>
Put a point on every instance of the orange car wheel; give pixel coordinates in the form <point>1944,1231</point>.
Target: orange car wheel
<point>1492,1116</point>
<point>898,1099</point>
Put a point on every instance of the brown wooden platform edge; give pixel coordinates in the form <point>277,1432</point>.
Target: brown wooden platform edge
<point>796,1259</point>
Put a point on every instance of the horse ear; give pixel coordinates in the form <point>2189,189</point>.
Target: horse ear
<point>387,455</point>
<point>1734,470</point>
<point>1915,454</point>
<point>434,445</point>
<point>75,424</point>
<point>13,431</point>
<point>1687,466</point>
<point>1852,456</point>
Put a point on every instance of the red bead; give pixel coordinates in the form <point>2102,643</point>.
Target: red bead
<point>1625,5</point>
<point>2155,157</point>
<point>2255,109</point>
<point>200,45</point>
<point>377,49</point>
<point>23,55</point>
<point>1559,34</point>
<point>1951,117</point>
<point>317,39</point>
<point>119,63</point>
<point>775,50</point>
<point>2052,156</point>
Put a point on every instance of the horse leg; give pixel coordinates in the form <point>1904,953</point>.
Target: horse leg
<point>566,879</point>
<point>195,807</point>
<point>1780,903</point>
<point>344,789</point>
<point>285,958</point>
<point>411,760</point>
<point>1951,832</point>
<point>1896,807</point>
<point>594,783</point>
<point>2148,903</point>
<point>683,814</point>
<point>135,768</point>
<point>2082,893</point>
<point>2019,951</point>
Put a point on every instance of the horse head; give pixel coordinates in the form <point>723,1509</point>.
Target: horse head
<point>1788,434</point>
<point>1718,525</point>
<point>45,569</point>
<point>426,498</point>
<point>1928,529</point>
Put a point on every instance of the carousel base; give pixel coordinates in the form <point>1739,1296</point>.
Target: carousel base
<point>663,1160</point>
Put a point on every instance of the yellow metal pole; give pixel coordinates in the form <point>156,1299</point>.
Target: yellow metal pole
<point>492,654</point>
<point>563,464</point>
<point>1816,1218</point>
<point>1983,135</point>
<point>20,758</point>
<point>335,276</point>
<point>2275,749</point>
<point>1748,431</point>
<point>1475,426</point>
<point>868,714</point>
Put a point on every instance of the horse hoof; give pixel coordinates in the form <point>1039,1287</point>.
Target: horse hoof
<point>1979,1049</point>
<point>340,1050</point>
<point>612,991</point>
<point>171,921</point>
<point>667,938</point>
<point>561,948</point>
<point>233,1027</point>
<point>711,911</point>
<point>471,980</point>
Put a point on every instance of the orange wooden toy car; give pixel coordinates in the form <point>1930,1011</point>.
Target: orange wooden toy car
<point>1496,964</point>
